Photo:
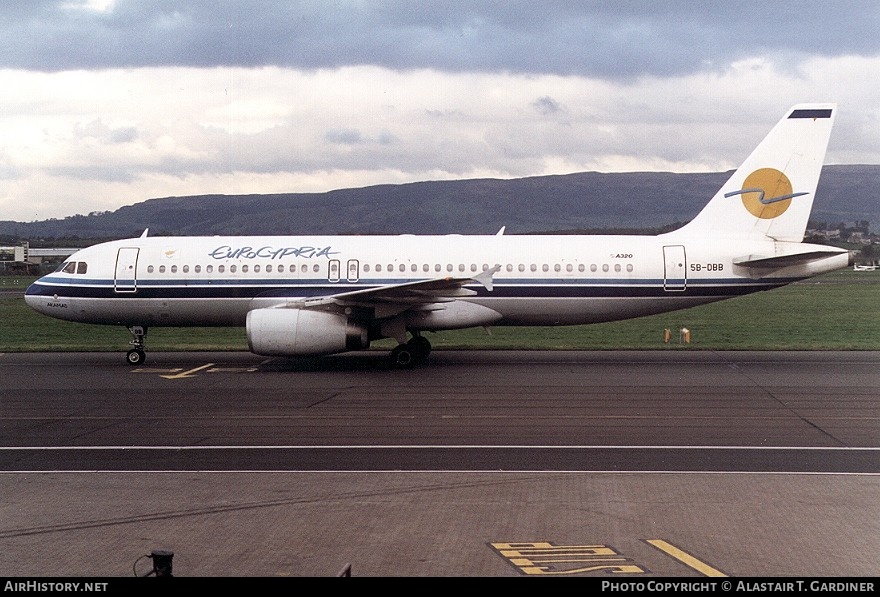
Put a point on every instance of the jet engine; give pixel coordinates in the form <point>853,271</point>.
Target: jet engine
<point>300,332</point>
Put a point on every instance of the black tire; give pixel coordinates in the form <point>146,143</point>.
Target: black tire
<point>402,357</point>
<point>420,347</point>
<point>136,357</point>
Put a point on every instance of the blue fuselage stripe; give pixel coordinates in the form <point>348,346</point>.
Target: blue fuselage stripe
<point>516,288</point>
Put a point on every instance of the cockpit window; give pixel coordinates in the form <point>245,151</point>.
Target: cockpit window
<point>72,267</point>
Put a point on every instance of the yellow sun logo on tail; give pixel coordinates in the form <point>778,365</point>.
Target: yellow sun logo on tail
<point>766,193</point>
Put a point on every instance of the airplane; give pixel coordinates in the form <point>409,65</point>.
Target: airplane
<point>321,295</point>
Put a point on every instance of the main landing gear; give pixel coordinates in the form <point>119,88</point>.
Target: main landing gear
<point>410,354</point>
<point>137,356</point>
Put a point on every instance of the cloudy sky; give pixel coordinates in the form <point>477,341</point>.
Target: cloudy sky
<point>108,103</point>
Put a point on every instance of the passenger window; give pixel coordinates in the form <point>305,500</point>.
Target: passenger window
<point>198,269</point>
<point>244,269</point>
<point>304,268</point>
<point>209,269</point>
<point>161,269</point>
<point>510,267</point>
<point>221,269</point>
<point>173,269</point>
<point>581,267</point>
<point>426,268</point>
<point>81,267</point>
<point>269,269</point>
<point>593,267</point>
<point>390,268</point>
<point>414,267</point>
<point>186,269</point>
<point>233,268</point>
<point>533,267</point>
<point>402,267</point>
<point>605,267</point>
<point>150,269</point>
<point>617,267</point>
<point>522,267</point>
<point>629,267</point>
<point>569,268</point>
<point>546,268</point>
<point>256,269</point>
<point>437,267</point>
<point>461,267</point>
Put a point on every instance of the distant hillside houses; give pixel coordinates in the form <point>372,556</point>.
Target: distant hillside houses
<point>859,234</point>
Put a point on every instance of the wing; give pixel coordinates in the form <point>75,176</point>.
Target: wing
<point>391,299</point>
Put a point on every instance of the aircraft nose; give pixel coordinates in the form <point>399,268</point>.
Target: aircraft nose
<point>33,298</point>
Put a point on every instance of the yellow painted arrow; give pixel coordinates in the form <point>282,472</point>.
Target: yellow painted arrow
<point>187,373</point>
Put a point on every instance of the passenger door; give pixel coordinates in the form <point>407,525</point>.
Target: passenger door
<point>126,270</point>
<point>674,268</point>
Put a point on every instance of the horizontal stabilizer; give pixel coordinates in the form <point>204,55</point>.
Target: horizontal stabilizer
<point>784,260</point>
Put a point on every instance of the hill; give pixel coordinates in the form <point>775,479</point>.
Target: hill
<point>588,201</point>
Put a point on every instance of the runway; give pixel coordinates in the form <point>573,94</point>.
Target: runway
<point>480,463</point>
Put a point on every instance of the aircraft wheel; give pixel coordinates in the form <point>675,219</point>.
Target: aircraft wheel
<point>135,357</point>
<point>402,357</point>
<point>420,346</point>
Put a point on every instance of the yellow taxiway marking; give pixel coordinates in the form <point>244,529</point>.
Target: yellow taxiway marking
<point>176,371</point>
<point>684,558</point>
<point>187,373</point>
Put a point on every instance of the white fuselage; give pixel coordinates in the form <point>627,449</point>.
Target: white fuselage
<point>541,280</point>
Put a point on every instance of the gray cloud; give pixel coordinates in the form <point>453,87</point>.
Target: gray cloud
<point>546,105</point>
<point>601,39</point>
<point>280,96</point>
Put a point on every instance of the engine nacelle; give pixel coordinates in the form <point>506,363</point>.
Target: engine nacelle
<point>298,332</point>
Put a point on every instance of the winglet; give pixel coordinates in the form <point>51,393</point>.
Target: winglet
<point>485,277</point>
<point>501,232</point>
<point>144,234</point>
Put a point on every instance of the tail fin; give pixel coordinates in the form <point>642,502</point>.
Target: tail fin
<point>771,195</point>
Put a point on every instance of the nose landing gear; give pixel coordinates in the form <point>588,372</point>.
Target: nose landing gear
<point>137,355</point>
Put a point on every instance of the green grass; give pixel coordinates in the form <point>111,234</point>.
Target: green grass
<point>838,311</point>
